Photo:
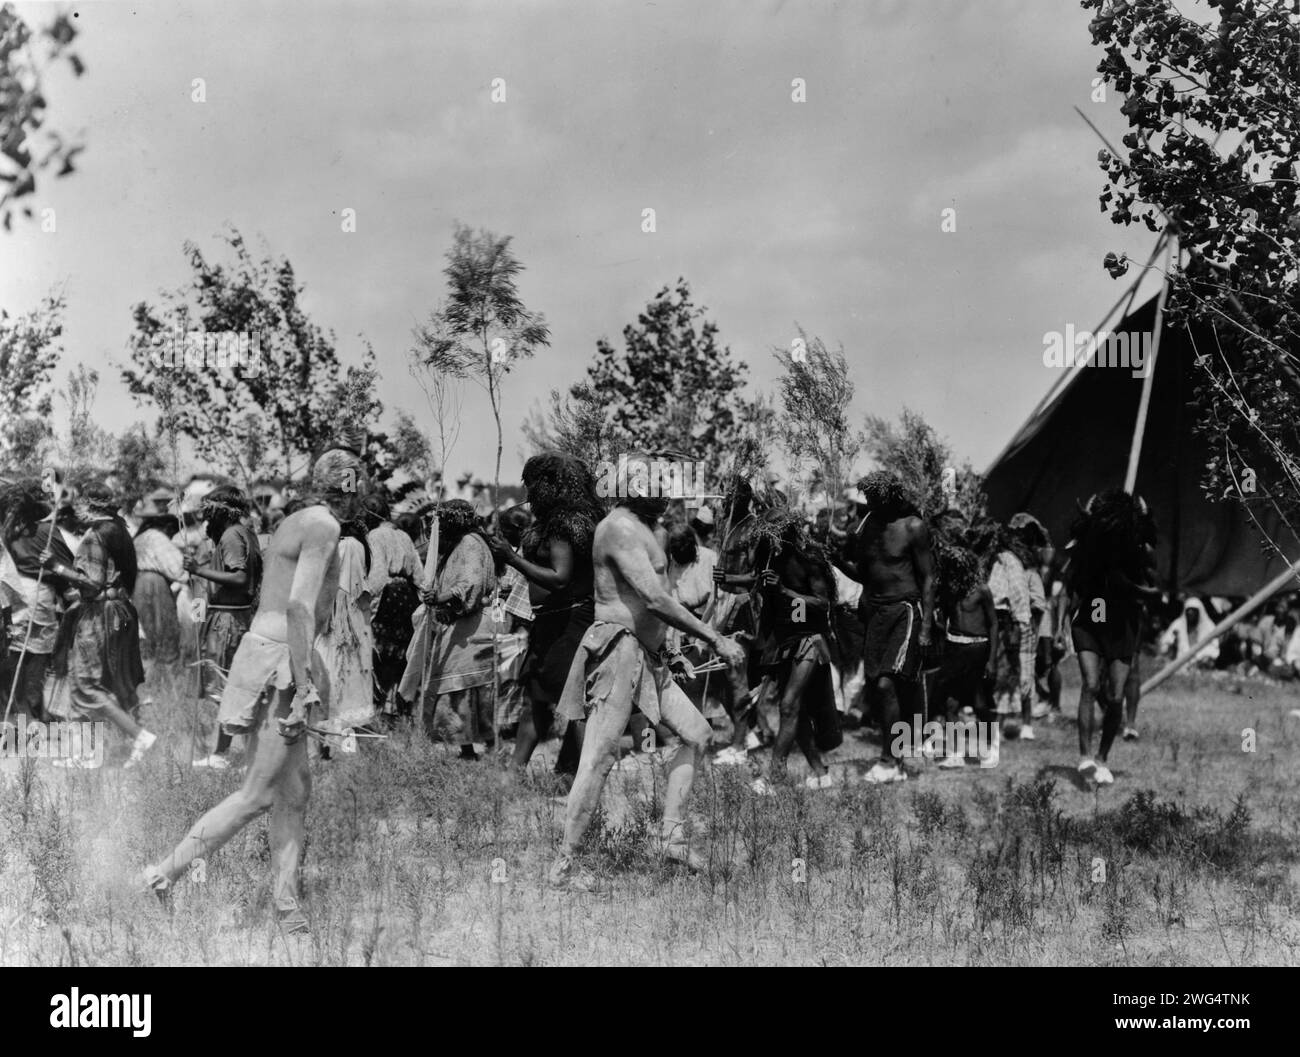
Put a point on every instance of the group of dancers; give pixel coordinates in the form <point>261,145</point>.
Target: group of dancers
<point>586,618</point>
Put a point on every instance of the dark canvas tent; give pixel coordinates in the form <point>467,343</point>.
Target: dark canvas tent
<point>1078,443</point>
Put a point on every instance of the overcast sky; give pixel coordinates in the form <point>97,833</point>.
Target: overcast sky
<point>824,213</point>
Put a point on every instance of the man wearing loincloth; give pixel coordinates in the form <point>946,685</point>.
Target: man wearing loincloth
<point>274,678</point>
<point>895,565</point>
<point>621,665</point>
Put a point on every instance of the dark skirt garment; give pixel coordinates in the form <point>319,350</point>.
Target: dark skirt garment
<point>156,607</point>
<point>222,632</point>
<point>553,640</point>
<point>97,659</point>
<point>392,625</point>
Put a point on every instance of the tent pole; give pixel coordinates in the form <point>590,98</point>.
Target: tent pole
<point>1176,528</point>
<point>1256,600</point>
<point>1126,299</point>
<point>1148,383</point>
<point>1064,380</point>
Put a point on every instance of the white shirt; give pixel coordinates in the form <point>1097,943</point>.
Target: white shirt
<point>848,592</point>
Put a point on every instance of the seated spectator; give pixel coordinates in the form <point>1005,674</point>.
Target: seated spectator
<point>1191,628</point>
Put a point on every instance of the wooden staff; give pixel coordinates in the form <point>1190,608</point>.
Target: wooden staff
<point>1256,600</point>
<point>431,579</point>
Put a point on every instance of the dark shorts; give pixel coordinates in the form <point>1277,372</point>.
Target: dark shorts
<point>891,638</point>
<point>1115,640</point>
<point>961,676</point>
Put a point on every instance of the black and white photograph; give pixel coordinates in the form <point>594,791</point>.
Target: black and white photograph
<point>696,483</point>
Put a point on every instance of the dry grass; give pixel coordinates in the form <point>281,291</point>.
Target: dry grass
<point>1199,841</point>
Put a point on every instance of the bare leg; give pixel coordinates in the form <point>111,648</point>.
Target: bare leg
<point>791,701</point>
<point>599,752</point>
<point>531,731</point>
<point>677,794</point>
<point>120,718</point>
<point>890,714</point>
<point>1112,706</point>
<point>272,758</point>
<point>1090,673</point>
<point>760,717</point>
<point>289,826</point>
<point>738,706</point>
<point>1054,686</point>
<point>1132,694</point>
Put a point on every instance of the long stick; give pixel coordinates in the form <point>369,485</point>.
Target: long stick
<point>1148,383</point>
<point>431,581</point>
<point>1256,600</point>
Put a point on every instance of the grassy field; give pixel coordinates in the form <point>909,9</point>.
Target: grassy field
<point>416,858</point>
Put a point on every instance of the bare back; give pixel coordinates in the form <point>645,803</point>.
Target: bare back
<point>302,535</point>
<point>629,565</point>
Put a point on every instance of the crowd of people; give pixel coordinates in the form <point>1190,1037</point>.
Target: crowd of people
<point>735,628</point>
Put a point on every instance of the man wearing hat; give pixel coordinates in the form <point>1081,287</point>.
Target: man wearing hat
<point>161,564</point>
<point>703,524</point>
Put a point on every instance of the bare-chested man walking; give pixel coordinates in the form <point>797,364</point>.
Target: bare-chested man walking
<point>896,567</point>
<point>622,664</point>
<point>274,679</point>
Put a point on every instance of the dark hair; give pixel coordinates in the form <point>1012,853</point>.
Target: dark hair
<point>375,507</point>
<point>116,539</point>
<point>227,499</point>
<point>456,518</point>
<point>356,530</point>
<point>168,524</point>
<point>410,524</point>
<point>562,495</point>
<point>1110,533</point>
<point>100,499</point>
<point>22,503</point>
<point>959,573</point>
<point>682,546</point>
<point>884,494</point>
